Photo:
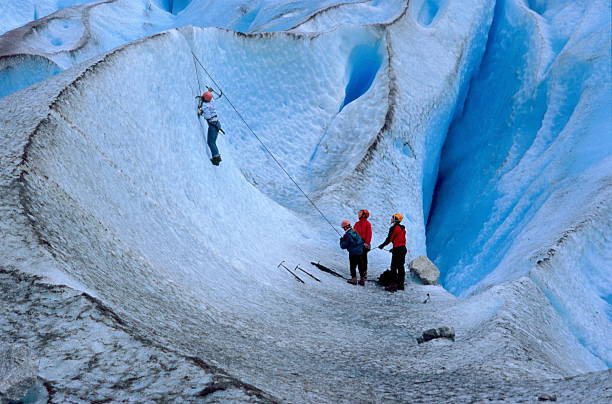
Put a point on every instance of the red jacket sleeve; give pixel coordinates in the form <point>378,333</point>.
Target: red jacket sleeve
<point>368,235</point>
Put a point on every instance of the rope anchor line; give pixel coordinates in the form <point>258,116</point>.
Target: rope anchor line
<point>195,59</point>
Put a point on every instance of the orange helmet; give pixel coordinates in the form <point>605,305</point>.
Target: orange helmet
<point>397,217</point>
<point>345,223</point>
<point>207,96</point>
<point>365,212</point>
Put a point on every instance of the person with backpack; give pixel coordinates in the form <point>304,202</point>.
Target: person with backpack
<point>353,243</point>
<point>207,109</point>
<point>397,236</point>
<point>364,228</point>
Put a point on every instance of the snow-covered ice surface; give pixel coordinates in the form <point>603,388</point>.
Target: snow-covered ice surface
<point>136,271</point>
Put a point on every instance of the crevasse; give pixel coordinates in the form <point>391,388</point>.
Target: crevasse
<point>527,146</point>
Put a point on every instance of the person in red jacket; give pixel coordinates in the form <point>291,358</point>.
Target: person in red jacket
<point>397,236</point>
<point>364,229</point>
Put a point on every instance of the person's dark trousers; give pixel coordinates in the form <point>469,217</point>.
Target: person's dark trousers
<point>213,132</point>
<point>363,269</point>
<point>354,262</point>
<point>398,258</point>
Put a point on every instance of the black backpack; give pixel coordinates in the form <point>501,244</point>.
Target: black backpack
<point>386,278</point>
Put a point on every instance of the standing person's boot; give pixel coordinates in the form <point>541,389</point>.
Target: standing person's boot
<point>216,159</point>
<point>352,281</point>
<point>391,288</point>
<point>363,278</point>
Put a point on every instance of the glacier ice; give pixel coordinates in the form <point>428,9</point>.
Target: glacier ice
<point>107,189</point>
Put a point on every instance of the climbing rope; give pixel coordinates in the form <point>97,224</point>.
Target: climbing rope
<point>195,58</point>
<point>197,75</point>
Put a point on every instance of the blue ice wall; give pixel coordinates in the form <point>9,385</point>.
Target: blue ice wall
<point>536,117</point>
<point>364,62</point>
<point>505,110</point>
<point>476,147</point>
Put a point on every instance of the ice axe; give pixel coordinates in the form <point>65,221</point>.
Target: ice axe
<point>288,270</point>
<point>307,273</point>
<point>219,95</point>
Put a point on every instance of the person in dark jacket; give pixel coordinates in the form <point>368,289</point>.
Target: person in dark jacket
<point>364,229</point>
<point>397,236</point>
<point>352,242</point>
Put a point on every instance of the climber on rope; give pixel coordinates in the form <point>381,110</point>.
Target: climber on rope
<point>364,228</point>
<point>352,242</point>
<point>397,236</point>
<point>207,109</point>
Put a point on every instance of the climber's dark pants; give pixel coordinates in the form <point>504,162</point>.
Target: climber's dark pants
<point>398,258</point>
<point>213,132</point>
<point>354,262</point>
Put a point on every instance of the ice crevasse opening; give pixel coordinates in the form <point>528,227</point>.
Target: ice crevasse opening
<point>527,196</point>
<point>363,65</point>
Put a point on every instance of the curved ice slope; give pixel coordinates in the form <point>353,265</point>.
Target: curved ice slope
<point>529,194</point>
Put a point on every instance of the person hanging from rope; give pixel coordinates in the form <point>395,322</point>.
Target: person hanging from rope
<point>364,229</point>
<point>397,236</point>
<point>206,108</point>
<point>353,243</point>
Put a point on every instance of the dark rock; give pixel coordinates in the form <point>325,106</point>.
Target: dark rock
<point>446,332</point>
<point>430,334</point>
<point>440,332</point>
<point>547,397</point>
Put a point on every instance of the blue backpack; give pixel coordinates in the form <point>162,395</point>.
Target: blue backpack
<point>353,243</point>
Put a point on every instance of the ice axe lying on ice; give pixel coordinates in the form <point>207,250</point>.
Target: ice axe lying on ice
<point>290,271</point>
